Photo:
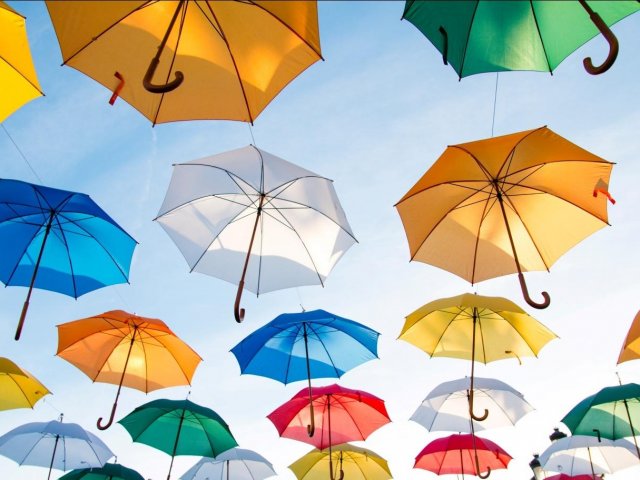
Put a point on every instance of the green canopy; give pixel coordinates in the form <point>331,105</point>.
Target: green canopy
<point>477,36</point>
<point>109,471</point>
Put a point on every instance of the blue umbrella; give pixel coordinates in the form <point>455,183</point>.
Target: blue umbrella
<point>315,344</point>
<point>60,241</point>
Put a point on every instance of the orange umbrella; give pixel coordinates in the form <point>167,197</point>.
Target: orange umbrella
<point>125,349</point>
<point>631,347</point>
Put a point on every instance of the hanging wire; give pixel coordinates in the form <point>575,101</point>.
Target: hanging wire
<point>495,99</point>
<point>21,154</point>
<point>253,140</point>
<point>300,300</point>
<point>51,405</point>
<point>124,302</point>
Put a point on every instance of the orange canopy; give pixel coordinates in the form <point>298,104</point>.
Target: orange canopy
<point>631,346</point>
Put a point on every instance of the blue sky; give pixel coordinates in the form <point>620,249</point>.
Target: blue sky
<point>373,117</point>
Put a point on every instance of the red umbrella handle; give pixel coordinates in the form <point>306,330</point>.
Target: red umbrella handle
<point>609,37</point>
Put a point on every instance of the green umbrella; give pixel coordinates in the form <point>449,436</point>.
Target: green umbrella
<point>179,427</point>
<point>613,412</point>
<point>477,36</point>
<point>109,471</point>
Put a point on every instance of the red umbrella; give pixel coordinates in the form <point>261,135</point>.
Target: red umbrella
<point>341,415</point>
<point>460,454</point>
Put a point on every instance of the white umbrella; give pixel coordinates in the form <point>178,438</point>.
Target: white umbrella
<point>236,464</point>
<point>586,454</point>
<point>63,446</point>
<point>256,220</point>
<point>446,407</point>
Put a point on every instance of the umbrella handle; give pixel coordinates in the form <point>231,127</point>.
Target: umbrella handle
<point>473,415</point>
<point>333,477</point>
<point>237,311</point>
<point>168,87</point>
<point>113,414</point>
<point>484,475</point>
<point>445,47</point>
<point>609,37</point>
<point>528,299</point>
<point>311,429</point>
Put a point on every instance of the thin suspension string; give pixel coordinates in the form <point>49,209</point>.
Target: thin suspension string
<point>495,99</point>
<point>22,154</point>
<point>253,140</point>
<point>300,300</point>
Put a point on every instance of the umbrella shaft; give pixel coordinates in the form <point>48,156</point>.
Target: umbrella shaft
<point>53,456</point>
<point>175,445</point>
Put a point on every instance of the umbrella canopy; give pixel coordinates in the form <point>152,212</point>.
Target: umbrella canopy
<point>503,205</point>
<point>179,427</point>
<point>236,464</point>
<point>447,328</point>
<point>216,208</point>
<point>455,455</point>
<point>18,80</point>
<point>19,388</point>
<point>581,454</point>
<point>60,241</point>
<point>446,407</point>
<point>54,444</point>
<point>109,471</point>
<point>493,36</point>
<point>631,346</point>
<point>351,463</point>
<point>213,60</point>
<point>125,349</point>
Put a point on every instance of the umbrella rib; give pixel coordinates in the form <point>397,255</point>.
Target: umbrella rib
<point>485,212</point>
<point>288,367</point>
<point>22,391</point>
<point>66,246</point>
<point>217,196</point>
<point>511,152</point>
<point>342,405</point>
<point>544,49</point>
<point>11,66</point>
<point>21,256</point>
<point>455,183</point>
<point>466,45</point>
<point>324,347</point>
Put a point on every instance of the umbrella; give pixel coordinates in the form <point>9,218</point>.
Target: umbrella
<point>315,344</point>
<point>59,241</point>
<point>342,413</point>
<point>562,476</point>
<point>217,207</point>
<point>352,463</point>
<point>447,328</point>
<point>229,59</point>
<point>17,73</point>
<point>493,36</point>
<point>446,407</point>
<point>460,454</point>
<point>581,454</point>
<point>503,205</point>
<point>631,347</point>
<point>236,464</point>
<point>54,444</point>
<point>179,427</point>
<point>609,413</point>
<point>109,471</point>
<point>125,349</point>
<point>19,388</point>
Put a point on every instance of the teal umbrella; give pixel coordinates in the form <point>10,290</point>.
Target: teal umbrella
<point>477,36</point>
<point>613,412</point>
<point>110,471</point>
<point>179,427</point>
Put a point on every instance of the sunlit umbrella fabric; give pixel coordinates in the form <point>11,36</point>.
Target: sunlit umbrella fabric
<point>356,463</point>
<point>235,56</point>
<point>494,36</point>
<point>631,346</point>
<point>333,345</point>
<point>109,471</point>
<point>236,464</point>
<point>446,407</point>
<point>18,79</point>
<point>18,388</point>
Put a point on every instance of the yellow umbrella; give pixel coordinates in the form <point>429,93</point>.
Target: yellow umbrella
<point>351,462</point>
<point>125,349</point>
<point>506,204</point>
<point>18,80</point>
<point>18,388</point>
<point>213,59</point>
<point>476,328</point>
<point>631,347</point>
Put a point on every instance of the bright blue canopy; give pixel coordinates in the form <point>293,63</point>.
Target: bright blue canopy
<point>84,250</point>
<point>335,344</point>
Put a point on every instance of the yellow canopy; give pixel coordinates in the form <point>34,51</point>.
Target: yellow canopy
<point>18,80</point>
<point>356,463</point>
<point>18,388</point>
<point>631,346</point>
<point>235,56</point>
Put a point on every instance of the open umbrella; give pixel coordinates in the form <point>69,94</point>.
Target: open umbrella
<point>125,349</point>
<point>503,205</point>
<point>217,208</point>
<point>298,346</point>
<point>460,454</point>
<point>179,427</point>
<point>60,241</point>
<point>236,464</point>
<point>18,80</point>
<point>492,36</point>
<point>19,388</point>
<point>631,346</point>
<point>109,471</point>
<point>213,60</point>
<point>54,444</point>
<point>341,414</point>
<point>351,462</point>
<point>446,407</point>
<point>581,454</point>
<point>447,328</point>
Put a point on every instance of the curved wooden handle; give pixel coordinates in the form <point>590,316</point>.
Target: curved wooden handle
<point>528,299</point>
<point>485,475</point>
<point>311,429</point>
<point>473,415</point>
<point>609,37</point>
<point>153,88</point>
<point>238,312</point>
<point>113,414</point>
